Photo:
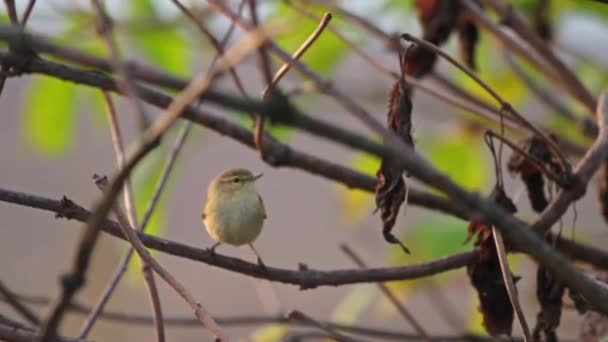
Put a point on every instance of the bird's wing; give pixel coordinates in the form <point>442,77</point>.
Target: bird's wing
<point>262,203</point>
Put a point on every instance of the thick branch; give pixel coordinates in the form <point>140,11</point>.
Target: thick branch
<point>278,153</point>
<point>305,278</point>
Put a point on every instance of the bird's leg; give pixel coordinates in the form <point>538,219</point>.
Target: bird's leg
<point>212,249</point>
<point>260,262</point>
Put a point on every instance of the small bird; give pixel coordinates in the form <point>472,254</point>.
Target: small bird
<point>234,211</point>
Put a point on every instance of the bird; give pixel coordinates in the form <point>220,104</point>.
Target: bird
<point>234,212</point>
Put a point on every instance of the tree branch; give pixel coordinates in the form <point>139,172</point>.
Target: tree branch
<point>305,278</point>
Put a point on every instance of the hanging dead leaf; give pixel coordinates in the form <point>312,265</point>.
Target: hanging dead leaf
<point>530,173</point>
<point>486,276</point>
<point>438,18</point>
<point>540,20</point>
<point>391,188</point>
<point>549,292</point>
<point>468,35</point>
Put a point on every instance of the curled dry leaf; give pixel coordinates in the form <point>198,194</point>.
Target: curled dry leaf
<point>549,293</point>
<point>439,18</point>
<point>468,35</point>
<point>391,188</point>
<point>531,174</point>
<point>540,20</point>
<point>486,276</point>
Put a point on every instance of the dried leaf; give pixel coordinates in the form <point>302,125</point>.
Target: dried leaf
<point>438,18</point>
<point>530,173</point>
<point>549,292</point>
<point>391,189</point>
<point>486,275</point>
<point>540,20</point>
<point>468,36</point>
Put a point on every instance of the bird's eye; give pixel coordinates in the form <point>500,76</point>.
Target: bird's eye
<point>236,180</point>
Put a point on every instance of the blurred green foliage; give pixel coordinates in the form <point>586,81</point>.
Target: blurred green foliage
<point>328,49</point>
<point>50,120</point>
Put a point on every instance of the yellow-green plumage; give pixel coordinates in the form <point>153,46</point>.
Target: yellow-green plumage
<point>234,212</point>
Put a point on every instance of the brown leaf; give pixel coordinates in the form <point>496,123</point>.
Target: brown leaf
<point>549,292</point>
<point>486,276</point>
<point>468,36</point>
<point>540,20</point>
<point>438,19</point>
<point>391,189</point>
<point>530,173</point>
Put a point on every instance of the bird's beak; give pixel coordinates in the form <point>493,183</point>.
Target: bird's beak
<point>258,176</point>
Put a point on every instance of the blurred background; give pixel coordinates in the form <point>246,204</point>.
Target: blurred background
<point>54,136</point>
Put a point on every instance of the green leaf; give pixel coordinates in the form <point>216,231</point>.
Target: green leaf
<point>354,304</point>
<point>459,153</point>
<point>269,333</point>
<point>496,74</point>
<point>356,204</point>
<point>164,47</point>
<point>161,42</point>
<point>49,119</point>
<point>436,236</point>
<point>327,50</point>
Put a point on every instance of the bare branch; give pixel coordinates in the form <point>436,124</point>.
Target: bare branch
<point>570,81</point>
<point>296,316</point>
<point>403,311</point>
<point>509,284</point>
<point>199,311</point>
<point>121,269</point>
<point>504,104</point>
<point>104,29</point>
<point>307,278</point>
<point>583,172</point>
<point>27,12</point>
<point>15,302</point>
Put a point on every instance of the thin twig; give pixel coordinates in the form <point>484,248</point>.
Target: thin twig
<point>509,284</point>
<point>282,154</point>
<point>570,81</point>
<point>298,53</point>
<point>299,316</point>
<point>308,278</point>
<point>199,311</point>
<point>467,101</point>
<point>15,302</point>
<point>587,126</point>
<point>27,12</point>
<point>326,87</point>
<point>11,10</point>
<point>389,294</point>
<point>199,85</point>
<point>514,229</point>
<point>15,332</point>
<point>121,269</point>
<point>236,321</point>
<point>504,104</point>
<point>533,159</point>
<point>217,45</point>
<point>104,29</point>
<point>266,69</point>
